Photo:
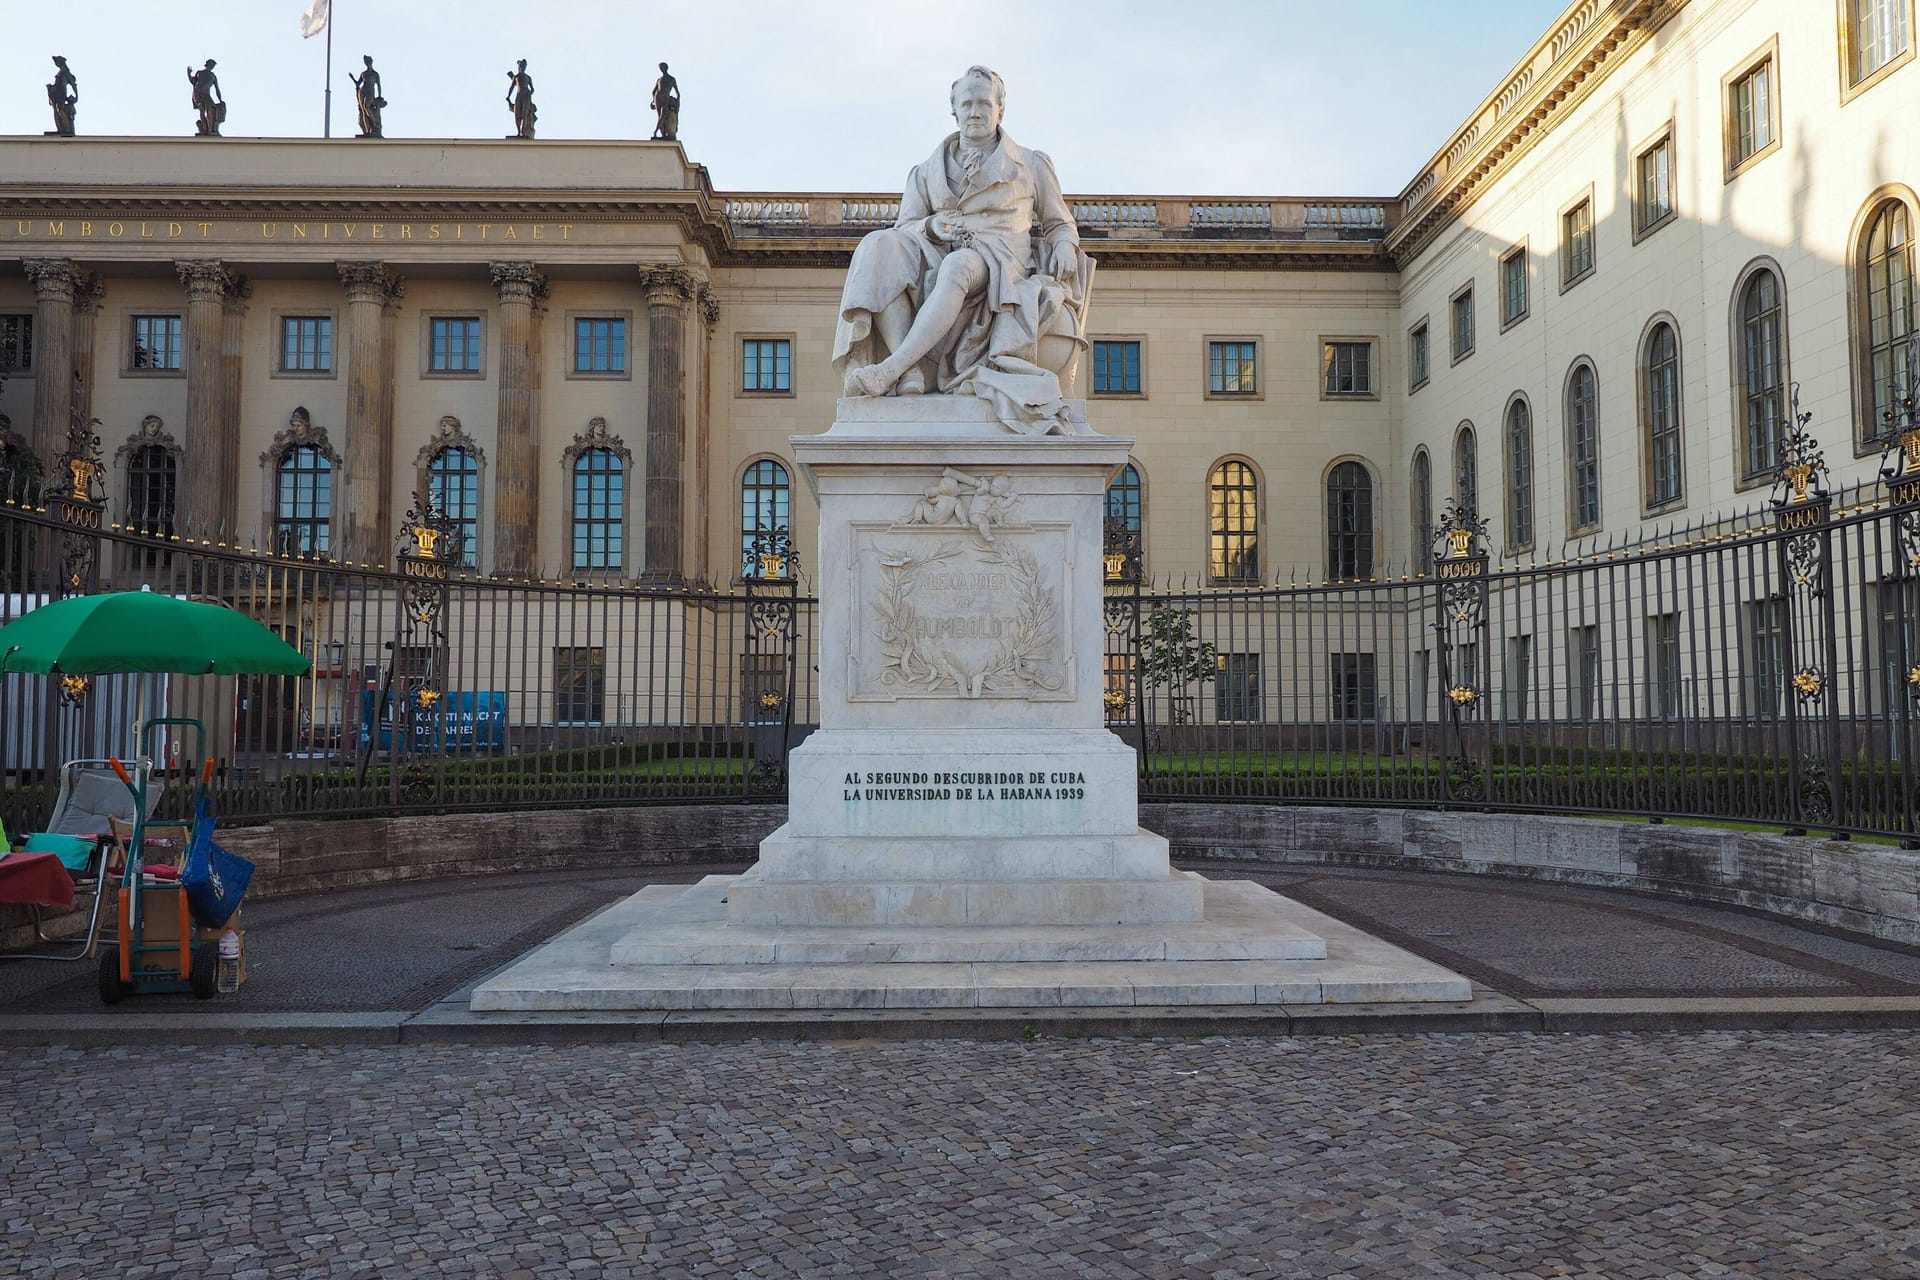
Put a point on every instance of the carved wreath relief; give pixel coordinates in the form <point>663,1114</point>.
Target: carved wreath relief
<point>961,602</point>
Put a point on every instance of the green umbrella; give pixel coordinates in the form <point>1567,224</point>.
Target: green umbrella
<point>129,631</point>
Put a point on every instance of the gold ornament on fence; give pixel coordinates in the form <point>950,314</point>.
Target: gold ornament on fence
<point>1808,684</point>
<point>427,698</point>
<point>424,538</point>
<point>770,700</point>
<point>73,688</point>
<point>1463,695</point>
<point>1115,700</point>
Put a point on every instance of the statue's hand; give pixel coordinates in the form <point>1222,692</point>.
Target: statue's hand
<point>1064,262</point>
<point>943,226</point>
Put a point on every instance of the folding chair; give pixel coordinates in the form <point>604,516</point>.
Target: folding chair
<point>82,835</point>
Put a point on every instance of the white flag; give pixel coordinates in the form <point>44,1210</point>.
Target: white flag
<point>314,20</point>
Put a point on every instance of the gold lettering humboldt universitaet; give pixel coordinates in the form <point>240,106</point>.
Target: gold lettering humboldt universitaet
<point>131,228</point>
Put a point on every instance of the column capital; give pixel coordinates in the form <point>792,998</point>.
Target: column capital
<point>668,285</point>
<point>239,289</point>
<point>709,307</point>
<point>518,282</point>
<point>368,281</point>
<point>88,293</point>
<point>206,279</point>
<point>54,279</point>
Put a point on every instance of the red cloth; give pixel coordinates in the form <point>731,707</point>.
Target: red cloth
<point>37,878</point>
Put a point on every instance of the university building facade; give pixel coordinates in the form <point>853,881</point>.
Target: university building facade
<point>1585,318</point>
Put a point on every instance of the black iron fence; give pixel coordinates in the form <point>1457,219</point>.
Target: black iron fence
<point>1762,671</point>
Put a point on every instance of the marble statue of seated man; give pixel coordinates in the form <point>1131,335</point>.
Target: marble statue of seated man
<point>980,287</point>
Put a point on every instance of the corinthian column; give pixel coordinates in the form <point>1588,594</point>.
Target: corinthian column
<point>233,313</point>
<point>364,513</point>
<point>516,474</point>
<point>86,310</point>
<point>55,281</point>
<point>670,291</point>
<point>208,436</point>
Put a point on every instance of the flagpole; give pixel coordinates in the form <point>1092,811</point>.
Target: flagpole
<point>326,128</point>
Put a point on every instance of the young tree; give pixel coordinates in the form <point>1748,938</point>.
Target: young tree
<point>1173,659</point>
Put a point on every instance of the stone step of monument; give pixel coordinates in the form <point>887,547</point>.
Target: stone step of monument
<point>573,971</point>
<point>1235,926</point>
<point>1175,898</point>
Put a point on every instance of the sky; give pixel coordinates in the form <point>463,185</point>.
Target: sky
<point>1225,97</point>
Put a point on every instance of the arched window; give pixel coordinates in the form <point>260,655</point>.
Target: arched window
<point>1660,415</point>
<point>599,510</point>
<point>766,499</point>
<point>1763,376</point>
<point>1466,469</point>
<point>1583,448</point>
<point>1349,522</point>
<point>1519,475</point>
<point>1888,291</point>
<point>453,480</point>
<point>1125,500</point>
<point>1233,521</point>
<point>152,489</point>
<point>1422,512</point>
<point>303,502</point>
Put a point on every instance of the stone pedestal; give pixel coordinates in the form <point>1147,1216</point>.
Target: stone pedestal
<point>962,772</point>
<point>962,829</point>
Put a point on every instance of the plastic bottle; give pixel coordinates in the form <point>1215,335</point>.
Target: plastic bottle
<point>229,972</point>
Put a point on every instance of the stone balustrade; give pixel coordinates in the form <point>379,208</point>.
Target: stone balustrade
<point>766,215</point>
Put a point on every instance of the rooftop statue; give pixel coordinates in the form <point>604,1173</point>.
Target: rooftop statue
<point>63,95</point>
<point>980,287</point>
<point>366,89</point>
<point>666,106</point>
<point>207,100</point>
<point>520,98</point>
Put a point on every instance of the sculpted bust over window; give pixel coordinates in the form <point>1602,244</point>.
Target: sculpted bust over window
<point>980,287</point>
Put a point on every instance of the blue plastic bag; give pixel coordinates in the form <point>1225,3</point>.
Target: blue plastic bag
<point>215,880</point>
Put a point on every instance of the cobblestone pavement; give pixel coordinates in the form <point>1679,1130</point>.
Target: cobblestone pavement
<point>1626,1156</point>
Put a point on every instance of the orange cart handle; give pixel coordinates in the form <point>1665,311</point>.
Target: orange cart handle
<point>121,770</point>
<point>206,772</point>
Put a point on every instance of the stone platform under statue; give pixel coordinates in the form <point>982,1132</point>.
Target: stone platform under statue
<point>962,829</point>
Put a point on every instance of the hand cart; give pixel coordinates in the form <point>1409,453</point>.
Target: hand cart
<point>157,949</point>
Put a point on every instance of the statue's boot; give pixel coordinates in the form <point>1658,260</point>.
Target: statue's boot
<point>869,380</point>
<point>912,383</point>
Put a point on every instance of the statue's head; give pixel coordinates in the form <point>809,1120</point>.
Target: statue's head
<point>663,68</point>
<point>523,64</point>
<point>59,61</point>
<point>979,100</point>
<point>210,64</point>
<point>367,58</point>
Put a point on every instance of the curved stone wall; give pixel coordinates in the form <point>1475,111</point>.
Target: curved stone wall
<point>1865,888</point>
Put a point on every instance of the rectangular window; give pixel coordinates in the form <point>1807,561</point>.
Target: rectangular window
<point>1576,243</point>
<point>306,344</point>
<point>766,365</point>
<point>1653,186</point>
<point>16,343</point>
<point>156,343</point>
<point>1347,368</point>
<point>1417,356</point>
<point>1877,32</point>
<point>453,344</point>
<point>1236,687</point>
<point>1767,673</point>
<point>1753,114</point>
<point>1463,323</point>
<point>1518,682</point>
<point>1420,677</point>
<point>1663,665</point>
<point>1513,287</point>
<point>1466,665</point>
<point>1230,369</point>
<point>579,685</point>
<point>1585,703</point>
<point>600,344</point>
<point>1116,368</point>
<point>1355,692</point>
